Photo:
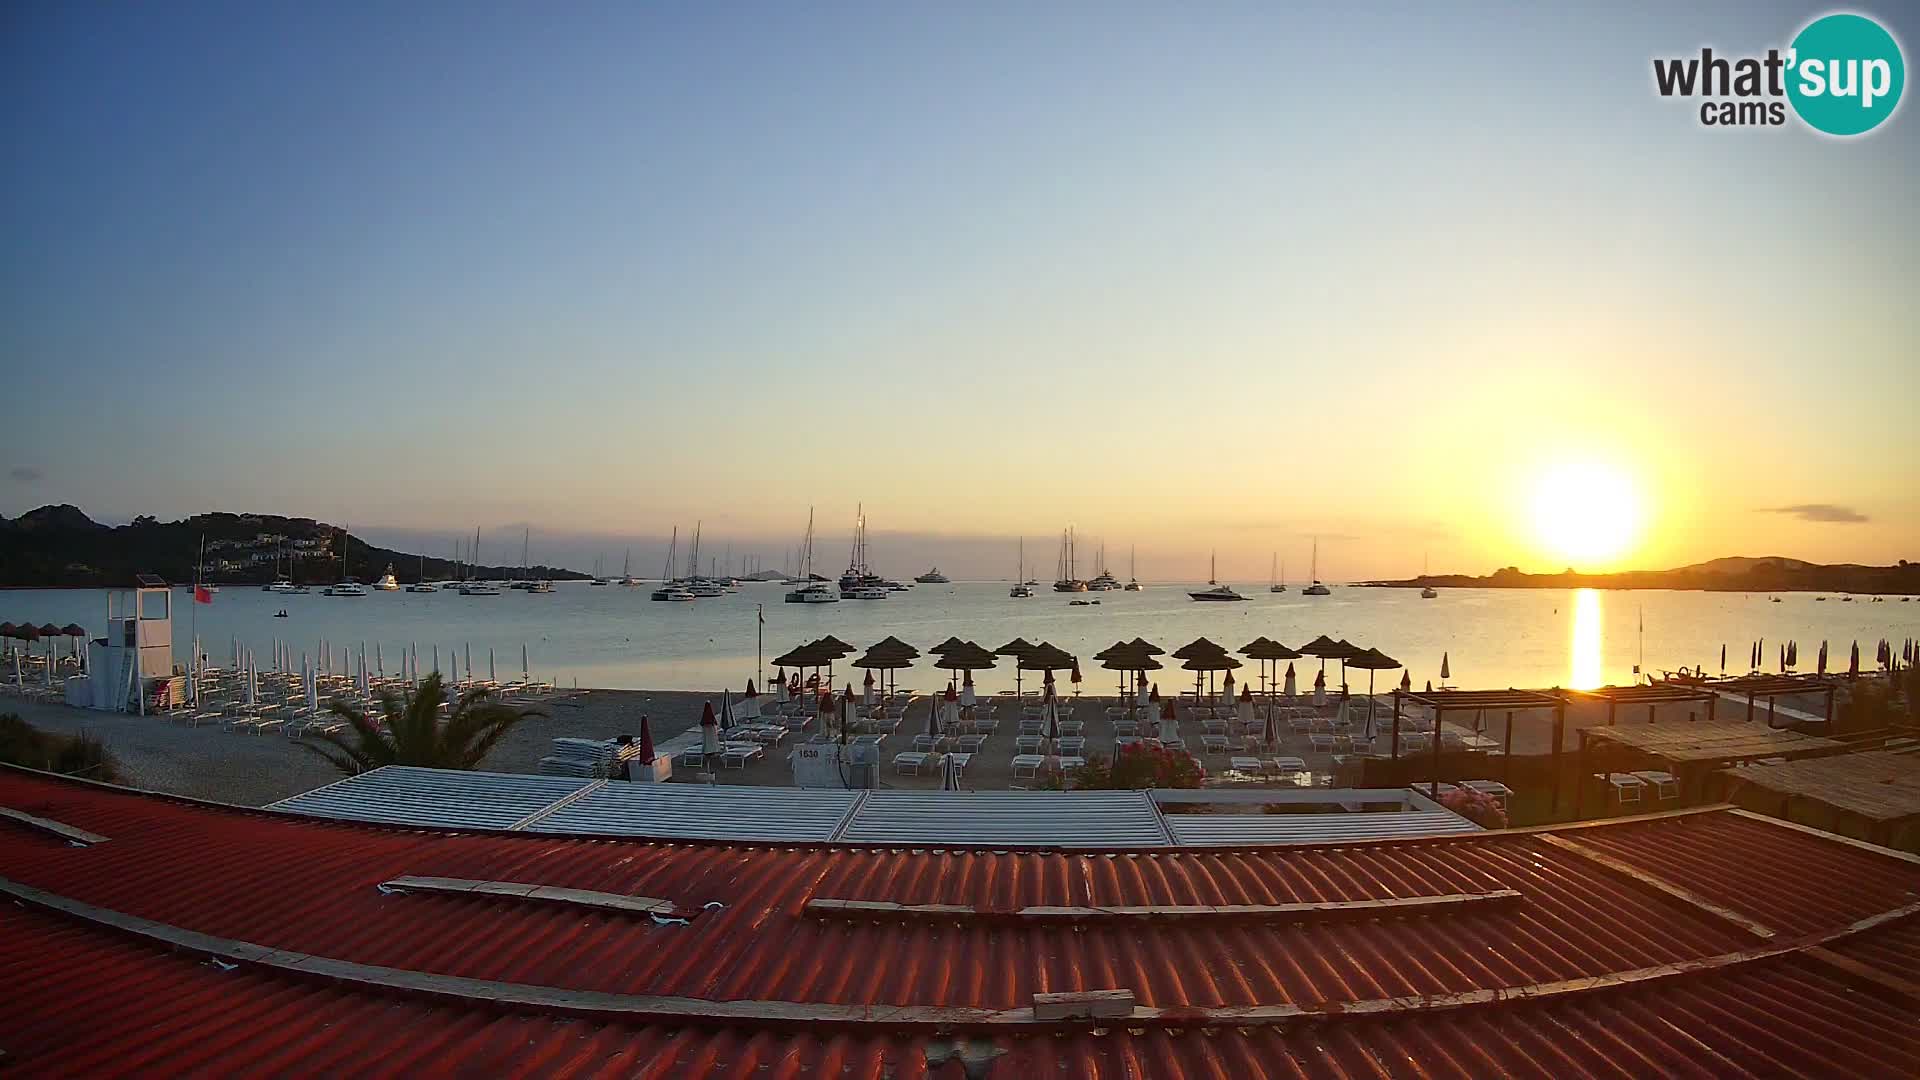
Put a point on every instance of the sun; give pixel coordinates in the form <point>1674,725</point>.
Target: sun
<point>1586,512</point>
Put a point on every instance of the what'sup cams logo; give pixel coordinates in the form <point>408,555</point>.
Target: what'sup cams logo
<point>1842,75</point>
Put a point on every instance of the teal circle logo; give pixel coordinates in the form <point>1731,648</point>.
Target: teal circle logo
<point>1845,74</point>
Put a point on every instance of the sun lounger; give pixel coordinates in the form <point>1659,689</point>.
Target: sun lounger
<point>1032,726</point>
<point>922,742</point>
<point>960,761</point>
<point>1499,791</point>
<point>1322,742</point>
<point>1214,744</point>
<point>1174,742</point>
<point>1300,725</point>
<point>1244,764</point>
<point>970,744</point>
<point>1027,744</point>
<point>1627,788</point>
<point>737,755</point>
<point>1289,765</point>
<point>1126,727</point>
<point>910,762</point>
<point>1072,727</point>
<point>1027,766</point>
<point>692,758</point>
<point>1664,784</point>
<point>1072,762</point>
<point>1071,744</point>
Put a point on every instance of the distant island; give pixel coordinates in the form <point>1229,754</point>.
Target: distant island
<point>61,547</point>
<point>1771,574</point>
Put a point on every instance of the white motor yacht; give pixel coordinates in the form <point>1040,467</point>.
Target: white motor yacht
<point>541,586</point>
<point>281,584</point>
<point>423,586</point>
<point>387,582</point>
<point>673,591</point>
<point>864,592</point>
<point>479,588</point>
<point>933,577</point>
<point>348,587</point>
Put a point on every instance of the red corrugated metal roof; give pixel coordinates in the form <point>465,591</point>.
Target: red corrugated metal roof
<point>309,886</point>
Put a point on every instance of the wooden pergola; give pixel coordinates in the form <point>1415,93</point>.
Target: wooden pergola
<point>1689,749</point>
<point>1508,701</point>
<point>1652,697</point>
<point>1872,795</point>
<point>1771,687</point>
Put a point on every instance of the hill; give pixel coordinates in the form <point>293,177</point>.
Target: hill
<point>1772,574</point>
<point>59,546</point>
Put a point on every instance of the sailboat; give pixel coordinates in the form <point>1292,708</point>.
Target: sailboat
<point>671,589</point>
<point>1279,576</point>
<point>1426,591</point>
<point>627,579</point>
<point>1067,582</point>
<point>1021,590</point>
<point>423,585</point>
<point>473,586</point>
<point>346,586</point>
<point>598,579</point>
<point>282,582</point>
<point>810,591</point>
<point>1316,589</point>
<point>1133,580</point>
<point>1219,591</point>
<point>1104,581</point>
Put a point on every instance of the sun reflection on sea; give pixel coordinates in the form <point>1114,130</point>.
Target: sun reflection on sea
<point>1586,640</point>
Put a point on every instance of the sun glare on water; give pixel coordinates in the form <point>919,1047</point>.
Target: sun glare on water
<point>1587,513</point>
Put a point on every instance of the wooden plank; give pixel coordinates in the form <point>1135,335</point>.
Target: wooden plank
<point>48,825</point>
<point>1661,885</point>
<point>1835,838</point>
<point>698,1012</point>
<point>1858,972</point>
<point>1083,1005</point>
<point>1383,908</point>
<point>584,898</point>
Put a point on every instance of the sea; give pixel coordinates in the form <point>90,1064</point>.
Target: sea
<point>615,637</point>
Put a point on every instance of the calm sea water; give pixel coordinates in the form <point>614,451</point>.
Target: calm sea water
<point>614,637</point>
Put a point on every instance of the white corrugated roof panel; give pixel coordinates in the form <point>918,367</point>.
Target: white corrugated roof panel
<point>1010,818</point>
<point>1215,830</point>
<point>439,798</point>
<point>700,812</point>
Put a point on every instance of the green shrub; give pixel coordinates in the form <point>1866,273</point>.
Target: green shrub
<point>72,755</point>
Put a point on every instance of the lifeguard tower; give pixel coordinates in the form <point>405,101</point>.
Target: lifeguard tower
<point>137,648</point>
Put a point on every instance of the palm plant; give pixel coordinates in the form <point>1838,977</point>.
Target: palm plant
<point>412,733</point>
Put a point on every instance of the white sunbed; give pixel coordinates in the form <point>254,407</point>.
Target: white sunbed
<point>737,755</point>
<point>1290,764</point>
<point>1499,791</point>
<point>1027,744</point>
<point>1027,766</point>
<point>1244,764</point>
<point>1664,784</point>
<point>1072,762</point>
<point>910,761</point>
<point>1627,788</point>
<point>1214,744</point>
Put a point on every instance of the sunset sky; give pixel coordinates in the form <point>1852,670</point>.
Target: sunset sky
<point>1454,285</point>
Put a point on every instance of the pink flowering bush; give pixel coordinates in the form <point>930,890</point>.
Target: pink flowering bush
<point>1476,806</point>
<point>1141,765</point>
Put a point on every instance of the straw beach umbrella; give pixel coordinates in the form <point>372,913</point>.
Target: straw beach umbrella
<point>1372,660</point>
<point>887,656</point>
<point>1016,648</point>
<point>1205,664</point>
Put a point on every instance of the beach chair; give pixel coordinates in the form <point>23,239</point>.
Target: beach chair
<point>692,758</point>
<point>1027,766</point>
<point>1241,763</point>
<point>1069,761</point>
<point>1029,744</point>
<point>910,762</point>
<point>1627,788</point>
<point>1213,727</point>
<point>1300,725</point>
<point>922,742</point>
<point>1032,726</point>
<point>1174,742</point>
<point>1664,784</point>
<point>971,744</point>
<point>1072,727</point>
<point>1214,744</point>
<point>1072,744</point>
<point>1289,765</point>
<point>1322,742</point>
<point>960,761</point>
<point>738,755</point>
<point>1121,742</point>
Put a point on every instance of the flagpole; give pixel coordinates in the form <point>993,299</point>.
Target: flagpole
<point>759,641</point>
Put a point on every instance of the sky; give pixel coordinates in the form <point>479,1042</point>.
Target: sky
<point>1188,278</point>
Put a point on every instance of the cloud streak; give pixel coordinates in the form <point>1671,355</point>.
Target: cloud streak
<point>1826,512</point>
<point>25,474</point>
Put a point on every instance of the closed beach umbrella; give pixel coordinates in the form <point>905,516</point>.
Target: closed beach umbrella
<point>967,697</point>
<point>1723,658</point>
<point>1823,657</point>
<point>949,713</point>
<point>1320,689</point>
<point>1447,673</point>
<point>647,752</point>
<point>379,662</point>
<point>949,773</point>
<point>1291,691</point>
<point>436,656</point>
<point>1406,682</point>
<point>1243,709</point>
<point>780,683</point>
<point>709,736</point>
<point>866,690</point>
<point>526,669</point>
<point>1853,660</point>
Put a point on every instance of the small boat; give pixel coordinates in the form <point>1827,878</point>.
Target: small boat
<point>673,591</point>
<point>1083,603</point>
<point>933,577</point>
<point>1279,577</point>
<point>1820,599</point>
<point>1427,593</point>
<point>1776,599</point>
<point>281,614</point>
<point>387,582</point>
<point>1020,590</point>
<point>1219,591</point>
<point>541,586</point>
<point>817,592</point>
<point>423,585</point>
<point>1316,589</point>
<point>1133,579</point>
<point>864,592</point>
<point>479,588</point>
<point>349,587</point>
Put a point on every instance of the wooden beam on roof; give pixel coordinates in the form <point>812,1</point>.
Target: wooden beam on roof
<point>1661,885</point>
<point>615,903</point>
<point>54,828</point>
<point>1040,915</point>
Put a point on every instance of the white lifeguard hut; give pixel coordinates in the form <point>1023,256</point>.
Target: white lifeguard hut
<point>137,648</point>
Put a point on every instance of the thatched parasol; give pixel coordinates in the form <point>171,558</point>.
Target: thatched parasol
<point>940,649</point>
<point>966,656</point>
<point>1125,658</point>
<point>887,656</point>
<point>1268,652</point>
<point>1147,647</point>
<point>1373,660</point>
<point>1016,648</point>
<point>1045,657</point>
<point>1204,664</point>
<point>1198,647</point>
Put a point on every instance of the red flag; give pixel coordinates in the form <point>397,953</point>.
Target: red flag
<point>202,595</point>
